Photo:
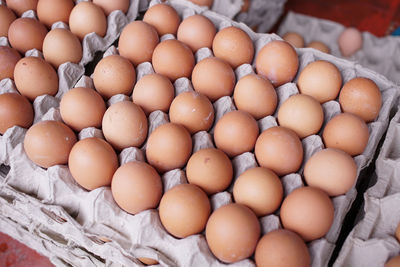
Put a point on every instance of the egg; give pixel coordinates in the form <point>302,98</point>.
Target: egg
<point>82,107</point>
<point>196,31</point>
<point>51,11</point>
<point>137,42</point>
<point>256,95</point>
<point>245,6</point>
<point>8,58</point>
<point>62,40</point>
<point>307,211</point>
<point>294,39</point>
<point>148,261</point>
<point>331,170</point>
<point>6,18</point>
<point>277,61</point>
<point>279,149</point>
<point>92,163</point>
<point>282,248</point>
<point>169,147</point>
<point>26,33</point>
<point>184,210</point>
<point>362,97</point>
<point>207,3</point>
<point>347,132</point>
<point>164,18</point>
<point>233,41</point>
<point>397,234</point>
<point>48,143</point>
<point>110,6</point>
<point>173,59</point>
<point>260,189</point>
<point>393,262</point>
<point>230,136</point>
<point>34,77</point>
<point>214,78</point>
<point>15,110</point>
<point>86,18</point>
<point>125,125</point>
<point>210,169</point>
<point>192,110</point>
<point>20,6</point>
<point>232,233</point>
<point>153,92</point>
<point>350,41</point>
<point>114,75</point>
<point>321,80</point>
<point>302,114</point>
<point>319,46</point>
<point>136,186</point>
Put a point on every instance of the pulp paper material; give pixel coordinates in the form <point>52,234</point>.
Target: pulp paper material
<point>378,54</point>
<point>92,220</point>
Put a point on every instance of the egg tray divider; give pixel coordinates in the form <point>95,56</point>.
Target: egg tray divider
<point>379,54</point>
<point>372,241</point>
<point>92,222</point>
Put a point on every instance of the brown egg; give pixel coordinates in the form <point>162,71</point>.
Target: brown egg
<point>51,11</point>
<point>136,186</point>
<point>169,147</point>
<point>20,6</point>
<point>8,58</point>
<point>302,114</point>
<point>34,77</point>
<point>148,261</point>
<point>48,143</point>
<point>279,149</point>
<point>86,18</point>
<point>92,163</point>
<point>232,232</point>
<point>192,110</point>
<point>321,80</point>
<point>110,6</point>
<point>137,42</point>
<point>15,110</point>
<point>277,61</point>
<point>173,59</point>
<point>347,132</point>
<point>362,97</point>
<point>260,189</point>
<point>393,262</point>
<point>397,234</point>
<point>208,3</point>
<point>114,75</point>
<point>294,39</point>
<point>233,41</point>
<point>164,18</point>
<point>125,125</point>
<point>245,6</point>
<point>282,248</point>
<point>256,95</point>
<point>230,136</point>
<point>6,18</point>
<point>214,78</point>
<point>307,211</point>
<point>62,40</point>
<point>331,170</point>
<point>26,33</point>
<point>196,31</point>
<point>210,169</point>
<point>81,108</point>
<point>184,210</point>
<point>153,92</point>
<point>319,46</point>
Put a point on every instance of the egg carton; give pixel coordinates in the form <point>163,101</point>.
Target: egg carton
<point>378,54</point>
<point>372,241</point>
<point>92,221</point>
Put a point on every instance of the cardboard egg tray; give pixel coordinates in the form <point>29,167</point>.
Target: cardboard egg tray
<point>379,54</point>
<point>372,241</point>
<point>50,212</point>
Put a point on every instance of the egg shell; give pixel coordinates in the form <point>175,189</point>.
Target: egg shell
<point>110,6</point>
<point>397,234</point>
<point>164,18</point>
<point>393,262</point>
<point>26,33</point>
<point>20,6</point>
<point>15,110</point>
<point>208,3</point>
<point>294,39</point>
<point>319,46</point>
<point>6,18</point>
<point>350,41</point>
<point>51,11</point>
<point>8,58</point>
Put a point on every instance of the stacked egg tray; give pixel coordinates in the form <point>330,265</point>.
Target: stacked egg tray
<point>372,241</point>
<point>49,211</point>
<point>378,54</point>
